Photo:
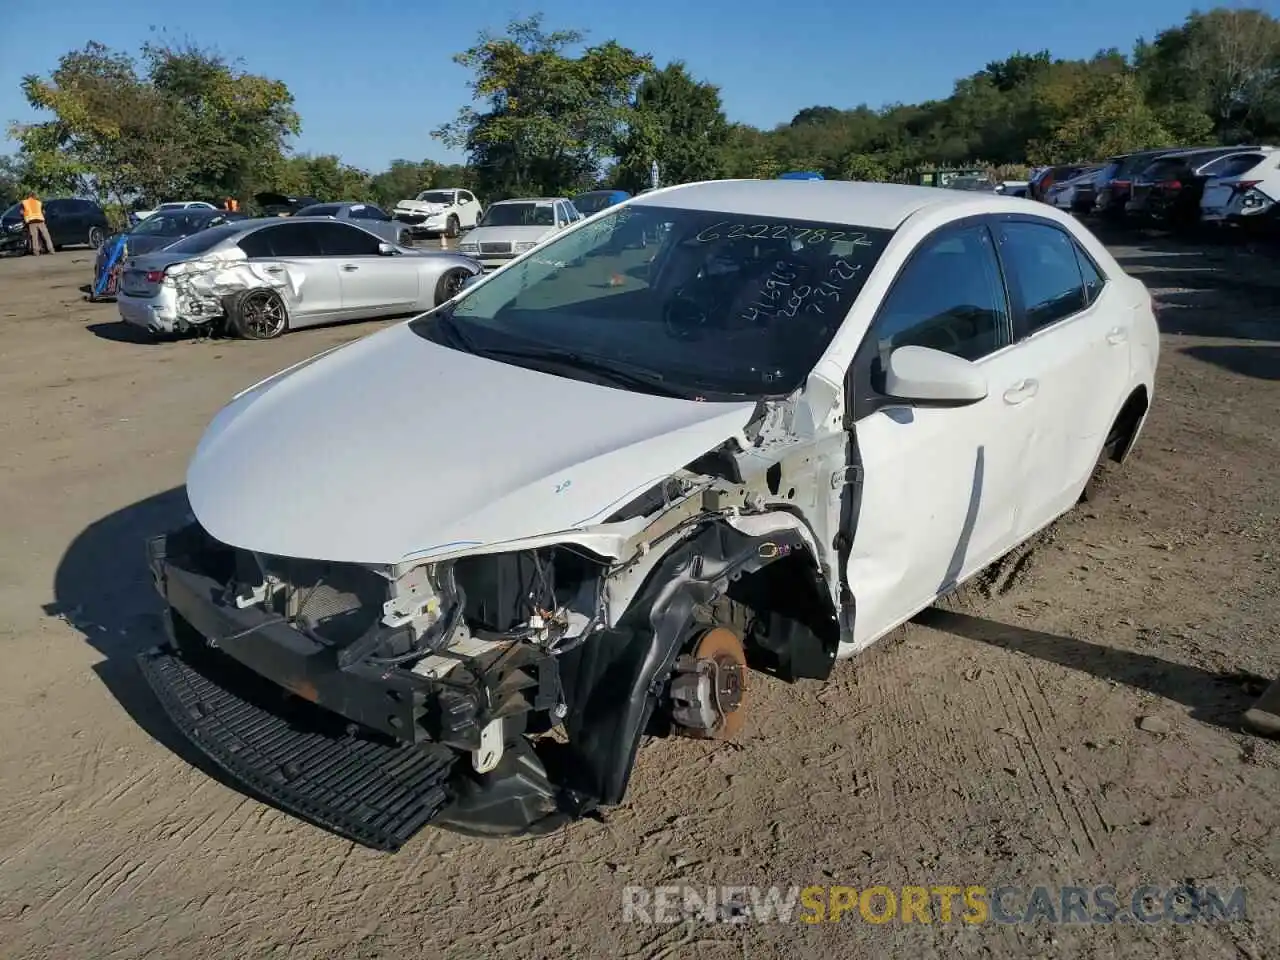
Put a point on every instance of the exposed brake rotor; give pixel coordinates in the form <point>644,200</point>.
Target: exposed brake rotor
<point>709,687</point>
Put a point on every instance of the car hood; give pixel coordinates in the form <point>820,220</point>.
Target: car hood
<point>423,206</point>
<point>394,448</point>
<point>509,234</point>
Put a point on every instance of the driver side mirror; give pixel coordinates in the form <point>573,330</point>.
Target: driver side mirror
<point>933,378</point>
<point>387,250</point>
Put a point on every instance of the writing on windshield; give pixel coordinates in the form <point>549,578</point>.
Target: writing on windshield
<point>708,306</point>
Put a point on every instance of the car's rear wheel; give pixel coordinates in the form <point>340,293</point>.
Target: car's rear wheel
<point>449,284</point>
<point>452,228</point>
<point>257,314</point>
<point>96,238</point>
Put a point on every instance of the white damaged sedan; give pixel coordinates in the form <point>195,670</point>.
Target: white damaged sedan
<point>594,491</point>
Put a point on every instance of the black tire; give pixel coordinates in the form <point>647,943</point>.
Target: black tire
<point>258,314</point>
<point>452,227</point>
<point>96,238</point>
<point>449,284</point>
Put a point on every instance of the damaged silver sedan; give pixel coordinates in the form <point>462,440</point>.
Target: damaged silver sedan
<point>719,428</point>
<point>259,278</point>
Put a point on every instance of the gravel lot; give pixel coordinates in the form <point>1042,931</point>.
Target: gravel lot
<point>1000,746</point>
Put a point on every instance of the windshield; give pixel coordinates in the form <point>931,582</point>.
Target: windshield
<point>205,239</point>
<point>436,196</point>
<point>320,210</point>
<point>539,213</point>
<point>700,304</point>
<point>170,225</point>
<point>589,203</point>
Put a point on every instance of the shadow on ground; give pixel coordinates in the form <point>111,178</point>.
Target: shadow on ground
<point>118,331</point>
<point>1204,288</point>
<point>1248,360</point>
<point>104,589</point>
<point>1213,698</point>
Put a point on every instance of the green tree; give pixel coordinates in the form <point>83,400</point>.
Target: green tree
<point>678,122</point>
<point>238,122</point>
<point>551,119</point>
<point>12,176</point>
<point>1225,63</point>
<point>1110,117</point>
<point>405,179</point>
<point>189,125</point>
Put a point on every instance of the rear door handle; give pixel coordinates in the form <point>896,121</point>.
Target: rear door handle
<point>1022,391</point>
<point>1117,336</point>
<point>349,267</point>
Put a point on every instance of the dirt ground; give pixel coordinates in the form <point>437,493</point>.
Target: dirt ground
<point>1002,746</point>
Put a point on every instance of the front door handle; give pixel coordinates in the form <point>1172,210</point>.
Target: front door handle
<point>1117,336</point>
<point>349,267</point>
<point>274,269</point>
<point>1022,391</point>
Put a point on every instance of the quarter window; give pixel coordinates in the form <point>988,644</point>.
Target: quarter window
<point>1093,278</point>
<point>1043,266</point>
<point>950,296</point>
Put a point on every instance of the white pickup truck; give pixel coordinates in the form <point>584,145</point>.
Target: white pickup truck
<point>444,211</point>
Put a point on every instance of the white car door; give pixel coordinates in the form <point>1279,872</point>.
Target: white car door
<point>373,283</point>
<point>938,487</point>
<point>290,252</point>
<point>1074,331</point>
<point>468,209</point>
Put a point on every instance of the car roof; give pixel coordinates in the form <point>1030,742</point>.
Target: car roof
<point>528,200</point>
<point>878,205</point>
<point>1192,152</point>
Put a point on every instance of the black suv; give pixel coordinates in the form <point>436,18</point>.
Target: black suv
<point>70,221</point>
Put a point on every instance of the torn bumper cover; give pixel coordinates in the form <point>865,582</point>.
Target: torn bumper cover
<point>423,219</point>
<point>360,749</point>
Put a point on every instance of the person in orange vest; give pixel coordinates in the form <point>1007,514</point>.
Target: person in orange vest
<point>37,230</point>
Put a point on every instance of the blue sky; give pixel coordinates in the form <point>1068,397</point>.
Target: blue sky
<point>373,78</point>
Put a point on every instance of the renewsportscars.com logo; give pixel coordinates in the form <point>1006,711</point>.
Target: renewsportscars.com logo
<point>972,904</point>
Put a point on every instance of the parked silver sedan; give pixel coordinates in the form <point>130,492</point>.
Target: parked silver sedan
<point>370,216</point>
<point>259,278</point>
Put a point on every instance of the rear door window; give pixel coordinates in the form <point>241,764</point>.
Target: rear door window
<point>1163,170</point>
<point>286,240</point>
<point>1042,265</point>
<point>341,240</point>
<point>1232,166</point>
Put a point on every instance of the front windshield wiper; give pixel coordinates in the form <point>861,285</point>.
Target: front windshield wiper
<point>619,373</point>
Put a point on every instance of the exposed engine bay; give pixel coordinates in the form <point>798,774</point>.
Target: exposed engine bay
<point>530,675</point>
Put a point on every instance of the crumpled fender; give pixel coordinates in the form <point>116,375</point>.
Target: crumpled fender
<point>202,284</point>
<point>614,682</point>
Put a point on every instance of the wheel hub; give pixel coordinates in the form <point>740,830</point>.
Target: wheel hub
<point>709,688</point>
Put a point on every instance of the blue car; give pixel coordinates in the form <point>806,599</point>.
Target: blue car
<point>801,175</point>
<point>593,201</point>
